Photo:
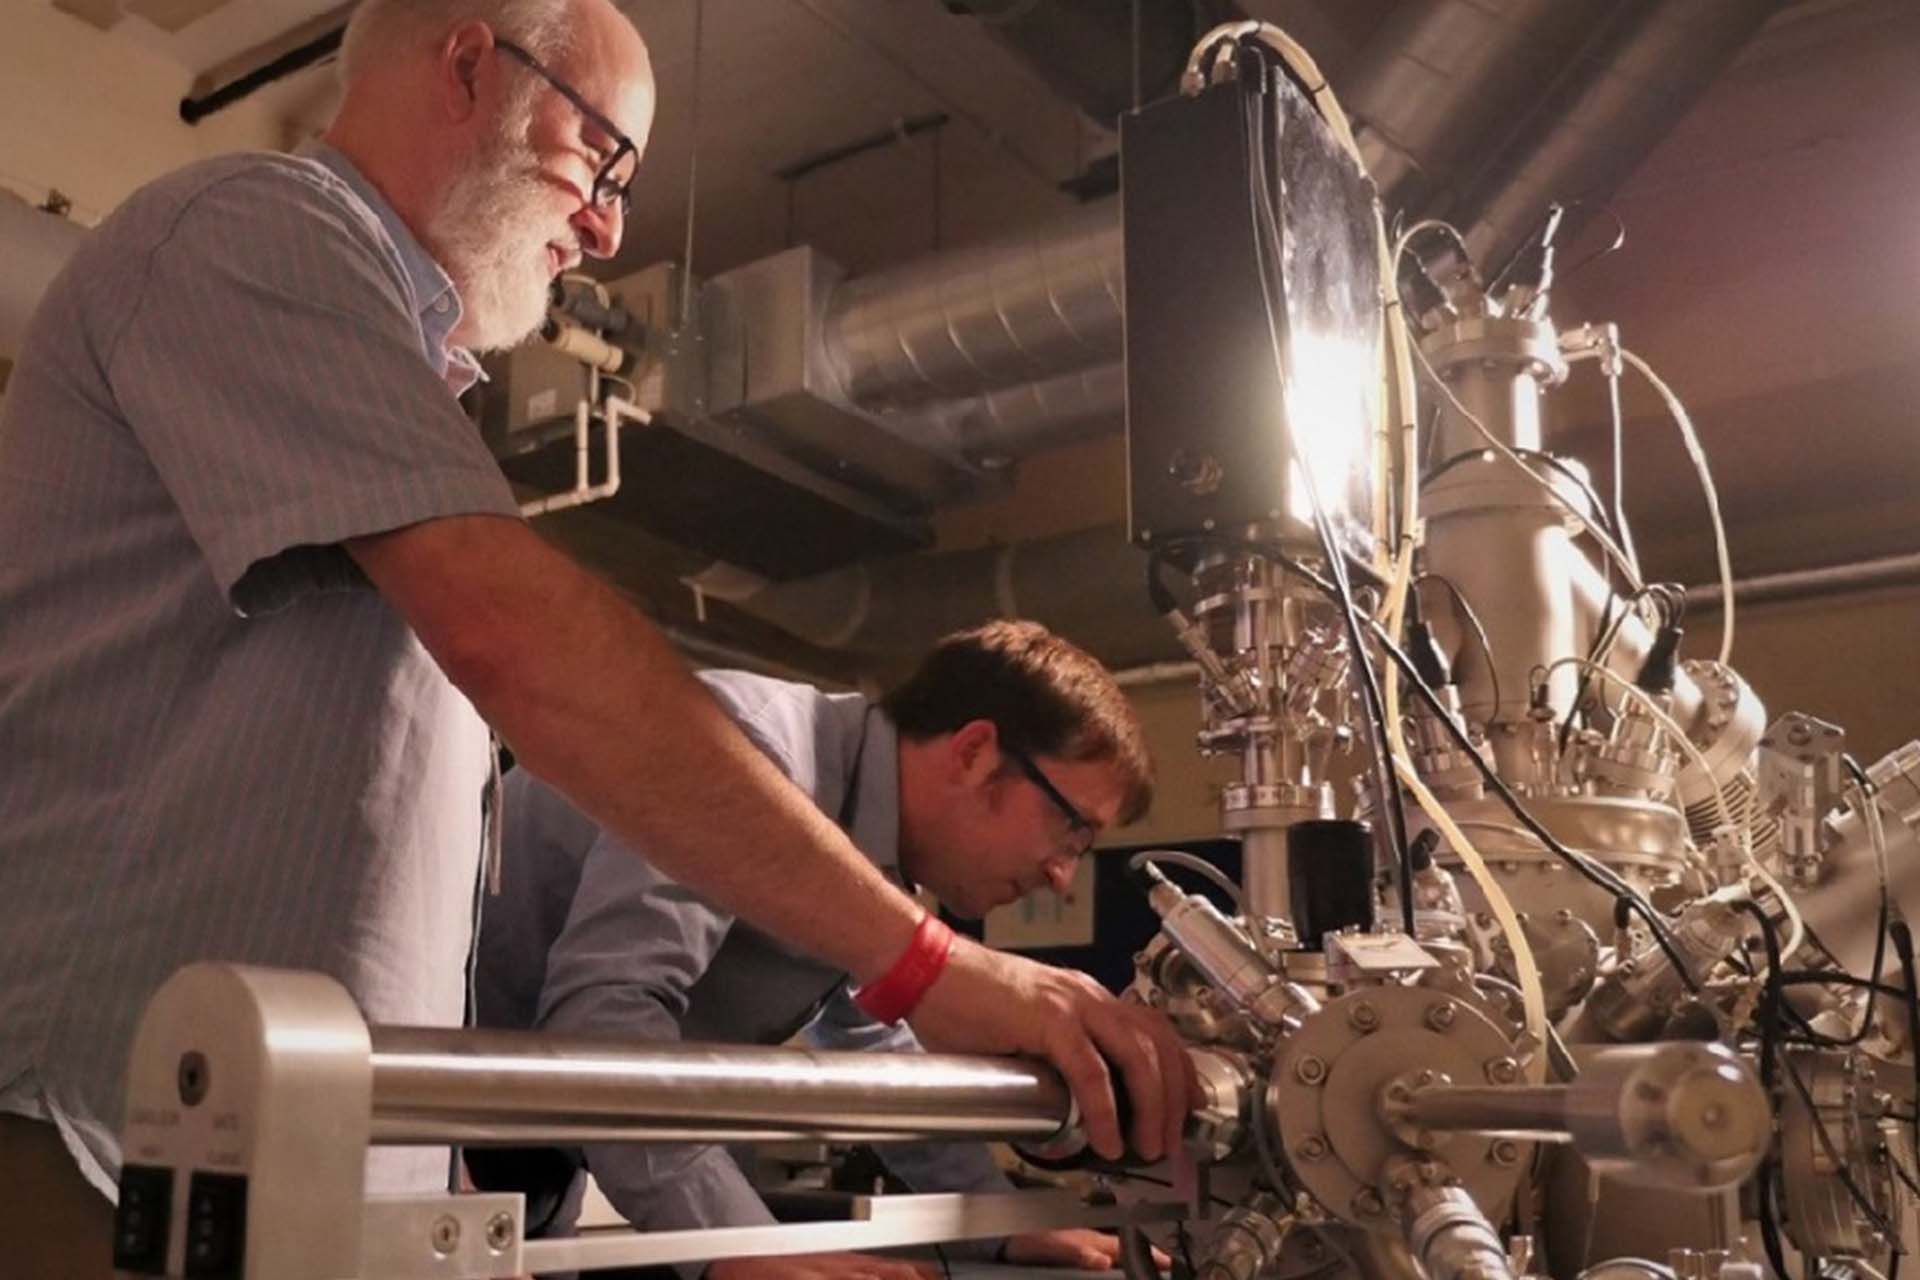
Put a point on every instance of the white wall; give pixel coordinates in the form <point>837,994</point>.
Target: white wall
<point>96,114</point>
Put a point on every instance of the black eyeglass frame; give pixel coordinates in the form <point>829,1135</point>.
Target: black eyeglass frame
<point>1083,828</point>
<point>606,189</point>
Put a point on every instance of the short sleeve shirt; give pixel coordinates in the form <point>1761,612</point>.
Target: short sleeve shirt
<point>217,741</point>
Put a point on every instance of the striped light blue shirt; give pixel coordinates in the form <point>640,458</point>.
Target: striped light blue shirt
<point>216,740</point>
<point>589,938</point>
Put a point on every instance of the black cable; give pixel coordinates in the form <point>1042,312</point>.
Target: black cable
<point>1902,938</point>
<point>1610,625</point>
<point>1118,1171</point>
<point>1834,978</point>
<point>1772,1004</point>
<point>946,1268</point>
<point>1769,1036</point>
<point>1267,243</point>
<point>1480,632</point>
<point>1580,482</point>
<point>1613,246</point>
<point>1623,895</point>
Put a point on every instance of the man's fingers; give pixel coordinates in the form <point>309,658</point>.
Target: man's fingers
<point>1073,1053</point>
<point>1131,1048</point>
<point>1182,1085</point>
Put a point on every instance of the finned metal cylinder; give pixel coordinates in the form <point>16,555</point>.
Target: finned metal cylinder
<point>1683,1114</point>
<point>506,1087</point>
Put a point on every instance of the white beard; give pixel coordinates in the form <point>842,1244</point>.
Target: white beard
<point>492,228</point>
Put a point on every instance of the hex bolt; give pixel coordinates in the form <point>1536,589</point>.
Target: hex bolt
<point>1314,1148</point>
<point>1503,1070</point>
<point>1367,1203</point>
<point>500,1232</point>
<point>1504,1152</point>
<point>1310,1070</point>
<point>1363,1017</point>
<point>445,1234</point>
<point>1440,1016</point>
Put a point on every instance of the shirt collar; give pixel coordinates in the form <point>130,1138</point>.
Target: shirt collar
<point>436,301</point>
<point>875,828</point>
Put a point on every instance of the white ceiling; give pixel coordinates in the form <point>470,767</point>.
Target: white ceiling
<point>199,35</point>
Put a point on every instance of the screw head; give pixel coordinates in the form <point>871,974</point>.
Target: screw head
<point>500,1232</point>
<point>1367,1203</point>
<point>192,1078</point>
<point>1310,1070</point>
<point>1440,1016</point>
<point>445,1234</point>
<point>1504,1152</point>
<point>1503,1070</point>
<point>1314,1148</point>
<point>1363,1017</point>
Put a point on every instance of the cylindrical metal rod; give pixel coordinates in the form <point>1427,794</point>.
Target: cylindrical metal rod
<point>478,1087</point>
<point>1681,1113</point>
<point>1522,1111</point>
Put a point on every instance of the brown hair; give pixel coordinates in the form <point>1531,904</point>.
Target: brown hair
<point>1045,697</point>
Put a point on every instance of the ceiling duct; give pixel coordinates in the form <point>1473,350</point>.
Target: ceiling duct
<point>991,336</point>
<point>1430,91</point>
<point>1605,116</point>
<point>1084,49</point>
<point>972,320</point>
<point>977,331</point>
<point>1082,584</point>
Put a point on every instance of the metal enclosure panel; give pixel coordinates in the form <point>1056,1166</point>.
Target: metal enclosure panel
<point>768,371</point>
<point>1214,422</point>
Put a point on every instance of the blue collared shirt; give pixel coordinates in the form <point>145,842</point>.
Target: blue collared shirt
<point>588,938</point>
<point>217,741</point>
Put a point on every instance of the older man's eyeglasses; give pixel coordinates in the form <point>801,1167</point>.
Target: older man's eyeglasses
<point>1081,829</point>
<point>614,182</point>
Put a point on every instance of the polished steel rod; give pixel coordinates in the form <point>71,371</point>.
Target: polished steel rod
<point>479,1087</point>
<point>1533,1111</point>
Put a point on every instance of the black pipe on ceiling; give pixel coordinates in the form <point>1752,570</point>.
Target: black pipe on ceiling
<point>194,110</point>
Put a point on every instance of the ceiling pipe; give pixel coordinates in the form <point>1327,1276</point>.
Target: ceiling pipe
<point>993,430</point>
<point>974,320</point>
<point>1430,91</point>
<point>1604,118</point>
<point>1089,584</point>
<point>970,334</point>
<point>1085,50</point>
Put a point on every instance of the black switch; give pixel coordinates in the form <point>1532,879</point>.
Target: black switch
<point>216,1226</point>
<point>140,1220</point>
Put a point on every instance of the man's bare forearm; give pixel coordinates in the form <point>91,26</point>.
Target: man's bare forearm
<point>594,700</point>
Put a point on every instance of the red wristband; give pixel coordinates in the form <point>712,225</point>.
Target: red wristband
<point>897,992</point>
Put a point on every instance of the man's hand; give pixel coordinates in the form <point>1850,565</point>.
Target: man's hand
<point>820,1266</point>
<point>1074,1247</point>
<point>991,1002</point>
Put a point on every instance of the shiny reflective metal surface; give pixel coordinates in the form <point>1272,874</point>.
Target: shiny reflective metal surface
<point>479,1087</point>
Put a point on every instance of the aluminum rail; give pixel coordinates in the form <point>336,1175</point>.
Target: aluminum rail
<point>481,1087</point>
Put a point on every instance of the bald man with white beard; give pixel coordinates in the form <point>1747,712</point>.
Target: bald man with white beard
<point>267,595</point>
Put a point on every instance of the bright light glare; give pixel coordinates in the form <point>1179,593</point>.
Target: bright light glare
<point>1327,384</point>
